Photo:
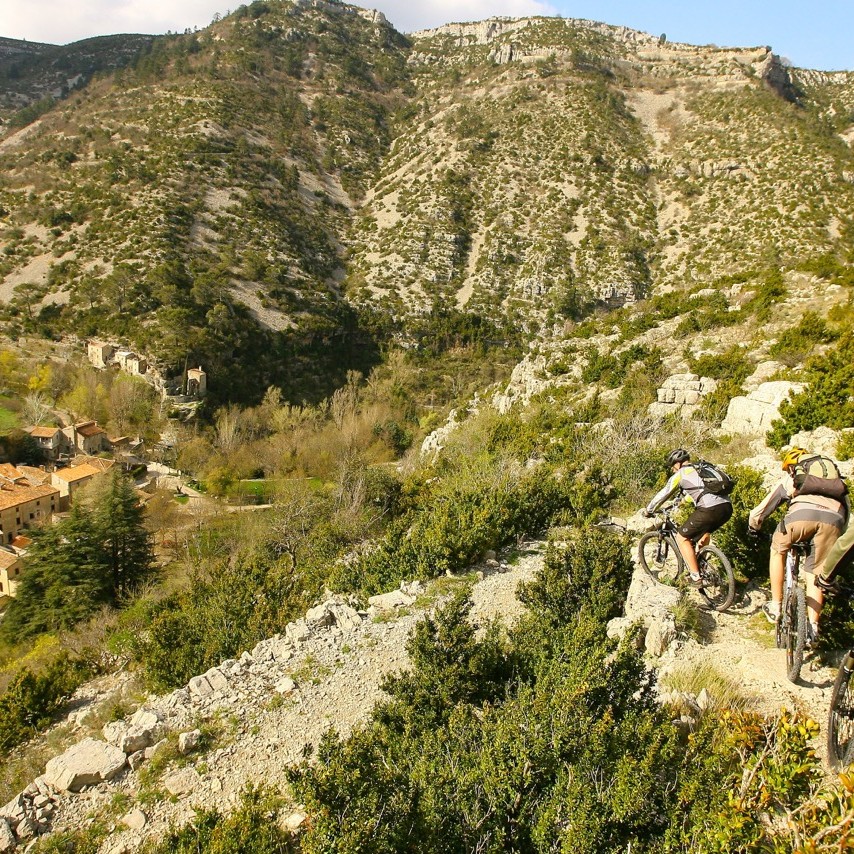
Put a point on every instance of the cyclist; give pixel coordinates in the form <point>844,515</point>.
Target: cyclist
<point>810,517</point>
<point>710,511</point>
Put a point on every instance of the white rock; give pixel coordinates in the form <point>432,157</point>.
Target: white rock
<point>188,741</point>
<point>7,838</point>
<point>135,819</point>
<point>286,686</point>
<point>182,782</point>
<point>389,601</point>
<point>200,687</point>
<point>754,413</point>
<point>294,821</point>
<point>84,764</point>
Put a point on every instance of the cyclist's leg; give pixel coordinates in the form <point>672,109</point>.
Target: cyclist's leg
<point>696,532</point>
<point>780,543</point>
<point>824,536</point>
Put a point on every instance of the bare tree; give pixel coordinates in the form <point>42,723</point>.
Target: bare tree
<point>36,408</point>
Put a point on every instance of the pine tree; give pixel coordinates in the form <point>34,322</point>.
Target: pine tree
<point>95,557</point>
<point>118,517</point>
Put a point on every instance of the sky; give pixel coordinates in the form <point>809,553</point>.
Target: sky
<point>818,34</point>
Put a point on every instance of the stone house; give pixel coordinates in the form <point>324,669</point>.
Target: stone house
<point>99,353</point>
<point>23,504</point>
<point>10,569</point>
<point>51,440</point>
<point>70,480</point>
<point>197,382</point>
<point>87,437</point>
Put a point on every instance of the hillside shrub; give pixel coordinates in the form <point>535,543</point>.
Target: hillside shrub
<point>748,560</point>
<point>31,700</point>
<point>827,401</point>
<point>795,344</point>
<point>255,825</point>
<point>505,756</point>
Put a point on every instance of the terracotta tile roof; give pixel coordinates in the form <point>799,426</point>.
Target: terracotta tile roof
<point>7,559</point>
<point>21,543</point>
<point>10,472</point>
<point>96,462</point>
<point>89,428</point>
<point>75,473</point>
<point>35,475</point>
<point>15,495</point>
<point>40,432</point>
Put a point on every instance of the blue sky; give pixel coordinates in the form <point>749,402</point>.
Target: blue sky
<point>818,34</point>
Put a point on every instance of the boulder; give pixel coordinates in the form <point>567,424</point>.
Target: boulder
<point>286,686</point>
<point>7,837</point>
<point>182,782</point>
<point>135,819</point>
<point>649,601</point>
<point>144,729</point>
<point>200,687</point>
<point>754,413</point>
<point>84,764</point>
<point>659,636</point>
<point>392,600</point>
<point>188,741</point>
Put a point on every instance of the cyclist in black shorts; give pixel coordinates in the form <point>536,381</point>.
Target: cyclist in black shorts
<point>711,511</point>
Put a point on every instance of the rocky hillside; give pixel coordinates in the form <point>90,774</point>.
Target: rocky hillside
<point>230,196</point>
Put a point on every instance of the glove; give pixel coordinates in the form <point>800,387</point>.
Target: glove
<point>646,514</point>
<point>754,533</point>
<point>829,585</point>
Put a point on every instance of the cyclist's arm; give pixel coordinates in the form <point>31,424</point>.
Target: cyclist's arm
<point>780,494</point>
<point>667,491</point>
<point>838,550</point>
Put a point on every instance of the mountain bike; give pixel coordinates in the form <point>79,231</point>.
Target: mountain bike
<point>658,554</point>
<point>840,718</point>
<point>792,626</point>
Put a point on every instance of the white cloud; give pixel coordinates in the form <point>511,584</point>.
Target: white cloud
<point>61,21</point>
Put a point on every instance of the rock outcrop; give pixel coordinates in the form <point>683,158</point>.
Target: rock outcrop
<point>682,395</point>
<point>752,415</point>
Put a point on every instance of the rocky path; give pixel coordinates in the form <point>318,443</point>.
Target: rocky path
<point>277,707</point>
<point>265,711</point>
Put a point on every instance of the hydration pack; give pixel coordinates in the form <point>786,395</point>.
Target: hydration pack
<point>817,475</point>
<point>715,480</point>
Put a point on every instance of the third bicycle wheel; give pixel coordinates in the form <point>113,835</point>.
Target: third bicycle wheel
<point>840,722</point>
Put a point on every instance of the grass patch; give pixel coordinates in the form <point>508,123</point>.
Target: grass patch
<point>724,691</point>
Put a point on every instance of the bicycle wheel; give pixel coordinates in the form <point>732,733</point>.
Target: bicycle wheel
<point>840,720</point>
<point>660,557</point>
<point>718,581</point>
<point>796,636</point>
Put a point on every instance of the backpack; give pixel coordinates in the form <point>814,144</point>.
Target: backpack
<point>817,475</point>
<point>715,480</point>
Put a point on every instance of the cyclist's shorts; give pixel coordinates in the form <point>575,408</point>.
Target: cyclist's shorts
<point>705,520</point>
<point>822,534</point>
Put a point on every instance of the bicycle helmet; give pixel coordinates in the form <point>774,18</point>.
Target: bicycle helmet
<point>792,455</point>
<point>680,455</point>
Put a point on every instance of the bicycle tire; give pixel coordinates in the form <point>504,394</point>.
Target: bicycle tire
<point>796,636</point>
<point>659,556</point>
<point>718,579</point>
<point>840,718</point>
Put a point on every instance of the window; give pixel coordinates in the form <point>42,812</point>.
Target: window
<point>17,570</point>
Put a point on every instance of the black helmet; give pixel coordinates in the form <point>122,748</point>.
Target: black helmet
<point>680,455</point>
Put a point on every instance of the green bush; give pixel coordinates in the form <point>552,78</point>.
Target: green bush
<point>827,401</point>
<point>31,700</point>
<point>748,560</point>
<point>253,827</point>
